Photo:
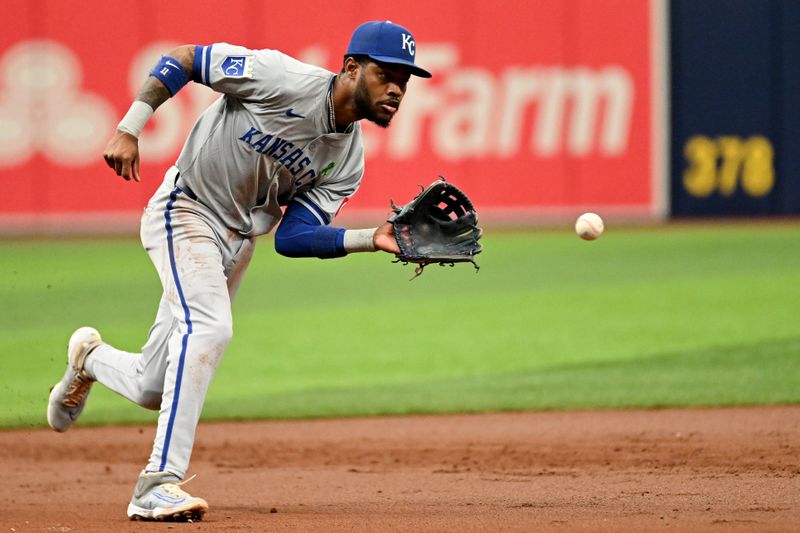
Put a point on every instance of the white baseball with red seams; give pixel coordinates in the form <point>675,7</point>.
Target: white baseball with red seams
<point>589,226</point>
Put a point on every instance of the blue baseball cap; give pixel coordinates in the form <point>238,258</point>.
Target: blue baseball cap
<point>386,42</point>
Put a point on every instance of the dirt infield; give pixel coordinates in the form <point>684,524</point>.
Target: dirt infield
<point>662,470</point>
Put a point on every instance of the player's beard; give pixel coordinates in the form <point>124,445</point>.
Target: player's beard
<point>366,108</point>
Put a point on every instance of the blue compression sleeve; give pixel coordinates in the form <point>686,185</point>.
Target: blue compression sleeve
<point>302,235</point>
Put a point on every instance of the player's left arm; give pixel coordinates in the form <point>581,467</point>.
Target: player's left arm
<point>305,229</point>
<point>304,232</point>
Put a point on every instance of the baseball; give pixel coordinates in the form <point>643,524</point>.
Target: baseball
<point>589,226</point>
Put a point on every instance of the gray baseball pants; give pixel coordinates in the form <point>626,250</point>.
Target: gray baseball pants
<point>200,263</point>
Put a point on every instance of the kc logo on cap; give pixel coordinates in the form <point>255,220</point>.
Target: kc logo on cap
<point>408,41</point>
<point>386,42</point>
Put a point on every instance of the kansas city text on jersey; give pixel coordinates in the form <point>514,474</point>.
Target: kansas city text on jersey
<point>295,161</point>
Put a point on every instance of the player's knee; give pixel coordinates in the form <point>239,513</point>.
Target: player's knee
<point>223,333</point>
<point>217,334</point>
<point>150,400</point>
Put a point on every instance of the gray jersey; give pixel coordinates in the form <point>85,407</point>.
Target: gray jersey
<point>267,140</point>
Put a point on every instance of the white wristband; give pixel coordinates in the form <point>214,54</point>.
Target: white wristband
<point>359,240</point>
<point>134,120</point>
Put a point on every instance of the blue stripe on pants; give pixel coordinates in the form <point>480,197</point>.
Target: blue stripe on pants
<point>176,397</point>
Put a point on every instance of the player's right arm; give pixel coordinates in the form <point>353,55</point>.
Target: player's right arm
<point>169,75</point>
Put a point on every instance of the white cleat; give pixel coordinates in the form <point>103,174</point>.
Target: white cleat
<point>158,496</point>
<point>68,396</point>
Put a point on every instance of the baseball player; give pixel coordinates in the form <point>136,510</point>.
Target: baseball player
<point>283,134</point>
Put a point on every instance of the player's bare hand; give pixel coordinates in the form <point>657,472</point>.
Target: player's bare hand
<point>384,239</point>
<point>122,154</point>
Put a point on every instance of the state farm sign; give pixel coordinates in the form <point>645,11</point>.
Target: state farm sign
<point>562,114</point>
<point>474,113</point>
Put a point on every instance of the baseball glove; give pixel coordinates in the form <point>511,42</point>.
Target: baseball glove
<point>440,226</point>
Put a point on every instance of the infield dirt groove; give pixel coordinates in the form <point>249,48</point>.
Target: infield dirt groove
<point>634,470</point>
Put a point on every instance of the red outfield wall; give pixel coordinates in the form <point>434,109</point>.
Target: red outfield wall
<point>556,100</point>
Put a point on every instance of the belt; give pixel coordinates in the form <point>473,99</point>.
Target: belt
<point>182,186</point>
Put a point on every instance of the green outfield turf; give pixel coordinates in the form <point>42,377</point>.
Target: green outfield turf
<point>656,316</point>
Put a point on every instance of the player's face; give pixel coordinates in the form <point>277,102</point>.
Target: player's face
<point>379,91</point>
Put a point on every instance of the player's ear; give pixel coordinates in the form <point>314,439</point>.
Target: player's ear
<point>351,66</point>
